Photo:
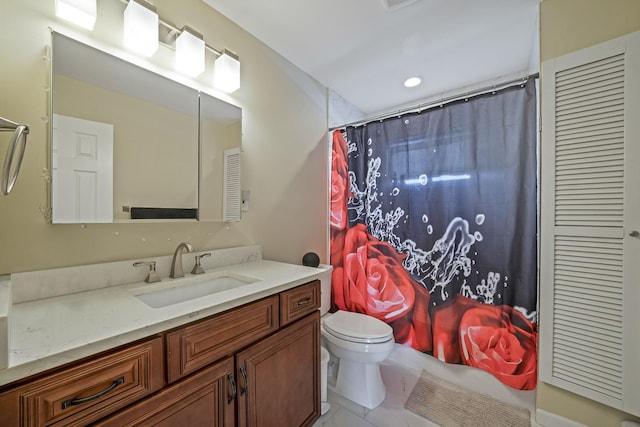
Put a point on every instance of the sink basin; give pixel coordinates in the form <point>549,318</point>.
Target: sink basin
<point>182,291</point>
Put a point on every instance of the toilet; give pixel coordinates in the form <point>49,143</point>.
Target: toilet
<point>360,342</point>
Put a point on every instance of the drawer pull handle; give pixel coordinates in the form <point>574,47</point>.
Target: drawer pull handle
<point>303,302</point>
<point>80,401</point>
<point>233,388</point>
<point>243,371</point>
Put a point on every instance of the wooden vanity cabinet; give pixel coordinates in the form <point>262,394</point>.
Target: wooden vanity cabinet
<point>254,365</point>
<point>276,383</point>
<point>277,375</point>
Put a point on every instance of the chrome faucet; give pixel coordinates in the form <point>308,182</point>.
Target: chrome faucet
<point>176,263</point>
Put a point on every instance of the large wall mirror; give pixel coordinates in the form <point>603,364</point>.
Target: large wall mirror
<point>128,144</point>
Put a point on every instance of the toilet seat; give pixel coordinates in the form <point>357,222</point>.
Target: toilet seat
<point>358,328</point>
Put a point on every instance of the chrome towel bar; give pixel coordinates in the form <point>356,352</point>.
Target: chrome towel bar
<point>9,179</point>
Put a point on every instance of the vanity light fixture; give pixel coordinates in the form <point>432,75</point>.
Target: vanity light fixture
<point>141,27</point>
<point>226,75</point>
<point>144,30</point>
<point>190,52</point>
<point>412,81</point>
<point>80,12</point>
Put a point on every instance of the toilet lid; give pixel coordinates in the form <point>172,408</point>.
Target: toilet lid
<point>357,327</point>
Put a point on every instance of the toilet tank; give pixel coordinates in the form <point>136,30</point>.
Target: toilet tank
<point>325,288</point>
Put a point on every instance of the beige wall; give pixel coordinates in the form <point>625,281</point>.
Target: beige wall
<point>284,143</point>
<point>570,25</point>
<point>567,26</point>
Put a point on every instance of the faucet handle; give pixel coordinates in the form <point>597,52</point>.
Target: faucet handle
<point>197,268</point>
<point>152,277</point>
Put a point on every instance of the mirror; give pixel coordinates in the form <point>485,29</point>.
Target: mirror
<point>128,144</point>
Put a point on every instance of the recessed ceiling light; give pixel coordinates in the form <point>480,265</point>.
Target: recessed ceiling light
<point>412,81</point>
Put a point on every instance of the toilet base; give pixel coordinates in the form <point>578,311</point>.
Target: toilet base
<point>361,383</point>
<point>324,407</point>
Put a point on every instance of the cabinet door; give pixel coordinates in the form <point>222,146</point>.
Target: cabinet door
<point>590,222</point>
<point>206,398</point>
<point>278,378</point>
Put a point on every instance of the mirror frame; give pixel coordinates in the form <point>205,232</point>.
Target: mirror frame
<point>144,214</point>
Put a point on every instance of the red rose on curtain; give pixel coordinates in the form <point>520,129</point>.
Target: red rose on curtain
<point>337,246</point>
<point>499,340</point>
<point>414,329</point>
<point>371,279</point>
<point>339,182</point>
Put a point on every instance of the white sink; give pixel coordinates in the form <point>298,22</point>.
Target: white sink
<point>163,295</point>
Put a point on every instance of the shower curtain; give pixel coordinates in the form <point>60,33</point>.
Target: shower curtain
<point>433,230</point>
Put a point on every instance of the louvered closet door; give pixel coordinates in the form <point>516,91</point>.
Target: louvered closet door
<point>590,264</point>
<point>231,190</point>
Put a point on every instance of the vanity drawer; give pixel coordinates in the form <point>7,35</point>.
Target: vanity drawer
<point>206,398</point>
<point>299,301</point>
<point>197,345</point>
<point>93,389</point>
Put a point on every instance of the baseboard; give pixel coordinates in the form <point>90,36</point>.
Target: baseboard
<point>549,419</point>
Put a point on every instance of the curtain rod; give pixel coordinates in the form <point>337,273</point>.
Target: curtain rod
<point>441,102</point>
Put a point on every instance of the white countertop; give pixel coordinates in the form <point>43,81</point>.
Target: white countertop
<point>50,332</point>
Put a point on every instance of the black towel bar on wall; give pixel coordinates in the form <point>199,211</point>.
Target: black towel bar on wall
<point>163,213</point>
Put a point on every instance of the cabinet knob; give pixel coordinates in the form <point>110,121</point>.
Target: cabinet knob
<point>634,233</point>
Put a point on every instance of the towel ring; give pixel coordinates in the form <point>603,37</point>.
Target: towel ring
<point>8,181</point>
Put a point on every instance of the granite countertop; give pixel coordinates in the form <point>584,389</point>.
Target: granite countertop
<point>50,332</point>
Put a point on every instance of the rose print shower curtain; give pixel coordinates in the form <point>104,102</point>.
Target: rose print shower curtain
<point>433,230</point>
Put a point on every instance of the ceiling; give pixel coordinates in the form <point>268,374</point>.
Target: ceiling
<point>364,50</point>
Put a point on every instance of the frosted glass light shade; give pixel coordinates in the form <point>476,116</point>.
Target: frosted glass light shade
<point>190,52</point>
<point>226,76</point>
<point>80,12</point>
<point>141,28</point>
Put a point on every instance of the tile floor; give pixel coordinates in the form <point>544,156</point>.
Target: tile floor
<point>400,372</point>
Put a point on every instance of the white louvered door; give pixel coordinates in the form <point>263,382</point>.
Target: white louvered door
<point>590,261</point>
<point>231,190</point>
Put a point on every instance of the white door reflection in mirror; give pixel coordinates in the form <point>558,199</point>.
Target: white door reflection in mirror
<point>82,164</point>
